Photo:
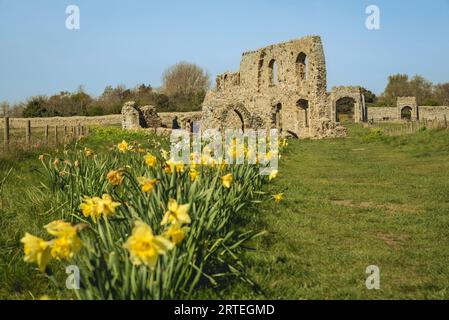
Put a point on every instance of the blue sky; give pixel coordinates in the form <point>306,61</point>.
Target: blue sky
<point>131,42</point>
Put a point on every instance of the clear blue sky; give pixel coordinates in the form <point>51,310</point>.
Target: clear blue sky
<point>131,42</point>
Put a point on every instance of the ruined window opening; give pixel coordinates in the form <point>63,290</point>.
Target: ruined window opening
<point>301,66</point>
<point>304,105</point>
<point>406,113</point>
<point>344,109</point>
<point>273,68</point>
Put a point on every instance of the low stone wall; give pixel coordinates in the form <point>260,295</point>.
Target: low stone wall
<point>115,119</point>
<point>108,120</point>
<point>432,113</point>
<point>382,113</point>
<point>167,117</point>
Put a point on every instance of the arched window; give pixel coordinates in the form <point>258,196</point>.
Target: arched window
<point>273,72</point>
<point>301,66</point>
<point>304,106</point>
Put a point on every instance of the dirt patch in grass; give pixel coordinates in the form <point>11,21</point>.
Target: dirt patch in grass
<point>390,207</point>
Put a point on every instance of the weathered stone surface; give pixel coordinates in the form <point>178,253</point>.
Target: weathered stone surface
<point>130,116</point>
<point>280,86</point>
<point>344,92</point>
<point>148,117</point>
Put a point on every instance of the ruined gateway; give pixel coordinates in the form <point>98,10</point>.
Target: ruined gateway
<point>280,86</point>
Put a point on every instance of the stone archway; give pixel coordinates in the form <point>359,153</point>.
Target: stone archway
<point>406,113</point>
<point>235,117</point>
<point>352,97</point>
<point>345,110</point>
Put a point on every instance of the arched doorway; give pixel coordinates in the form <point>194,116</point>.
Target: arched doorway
<point>234,120</point>
<point>344,110</point>
<point>303,118</point>
<point>406,113</point>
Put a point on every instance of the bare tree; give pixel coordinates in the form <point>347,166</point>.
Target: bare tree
<point>185,79</point>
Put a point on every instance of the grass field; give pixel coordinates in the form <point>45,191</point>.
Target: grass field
<point>349,203</point>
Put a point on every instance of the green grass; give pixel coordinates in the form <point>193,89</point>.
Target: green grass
<point>351,203</point>
<point>369,199</point>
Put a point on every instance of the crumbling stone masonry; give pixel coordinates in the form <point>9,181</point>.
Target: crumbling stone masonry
<point>280,86</point>
<point>134,116</point>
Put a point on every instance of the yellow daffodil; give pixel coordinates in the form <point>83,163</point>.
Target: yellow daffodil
<point>88,152</point>
<point>193,174</point>
<point>36,250</point>
<point>66,247</point>
<point>278,197</point>
<point>90,207</point>
<point>175,233</point>
<point>146,184</point>
<point>273,174</point>
<point>176,213</point>
<point>150,160</point>
<point>115,177</point>
<point>227,180</point>
<point>96,207</point>
<point>60,228</point>
<point>172,166</point>
<point>108,205</point>
<point>41,157</point>
<point>123,146</point>
<point>144,247</point>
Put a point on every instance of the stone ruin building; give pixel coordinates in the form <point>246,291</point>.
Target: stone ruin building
<point>280,86</point>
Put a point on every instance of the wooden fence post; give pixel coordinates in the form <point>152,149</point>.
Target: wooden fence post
<point>6,131</point>
<point>445,122</point>
<point>28,132</point>
<point>56,134</point>
<point>46,133</point>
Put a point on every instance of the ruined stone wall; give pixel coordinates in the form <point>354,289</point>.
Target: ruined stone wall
<point>280,86</point>
<point>431,113</point>
<point>167,117</point>
<point>382,113</point>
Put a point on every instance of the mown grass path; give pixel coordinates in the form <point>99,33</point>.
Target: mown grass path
<point>351,203</point>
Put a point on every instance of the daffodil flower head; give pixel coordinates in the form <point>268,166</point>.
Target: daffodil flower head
<point>227,180</point>
<point>176,233</point>
<point>36,250</point>
<point>150,160</point>
<point>273,174</point>
<point>123,146</point>
<point>176,213</point>
<point>146,184</point>
<point>144,247</point>
<point>115,177</point>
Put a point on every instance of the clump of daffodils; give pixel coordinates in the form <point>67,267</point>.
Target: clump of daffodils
<point>63,247</point>
<point>144,247</point>
<point>97,207</point>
